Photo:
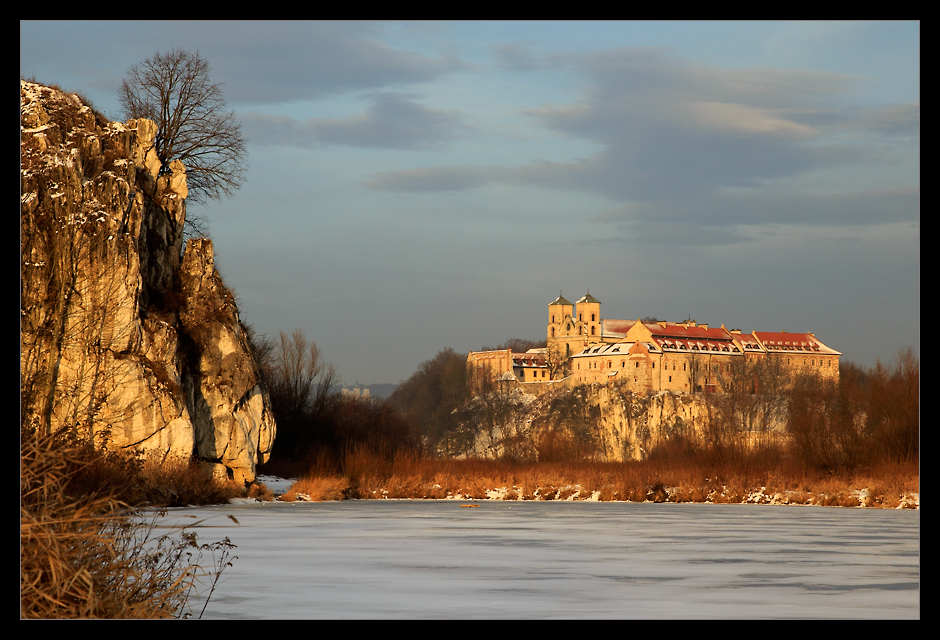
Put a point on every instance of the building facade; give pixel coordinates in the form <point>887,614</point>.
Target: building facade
<point>685,357</point>
<point>649,357</point>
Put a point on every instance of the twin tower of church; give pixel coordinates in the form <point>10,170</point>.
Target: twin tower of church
<point>570,334</point>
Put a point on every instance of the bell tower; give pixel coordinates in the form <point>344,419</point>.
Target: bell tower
<point>589,317</point>
<point>561,334</point>
<point>559,317</point>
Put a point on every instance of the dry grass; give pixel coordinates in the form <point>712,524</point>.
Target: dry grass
<point>318,489</point>
<point>759,479</point>
<point>140,481</point>
<point>88,555</point>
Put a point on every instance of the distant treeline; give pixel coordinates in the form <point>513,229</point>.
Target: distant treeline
<point>317,425</point>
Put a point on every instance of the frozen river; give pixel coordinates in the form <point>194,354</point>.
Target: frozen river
<point>436,559</point>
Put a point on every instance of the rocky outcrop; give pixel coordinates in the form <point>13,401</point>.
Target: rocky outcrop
<point>608,422</point>
<point>125,336</point>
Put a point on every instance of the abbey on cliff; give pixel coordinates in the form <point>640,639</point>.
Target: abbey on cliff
<point>648,357</point>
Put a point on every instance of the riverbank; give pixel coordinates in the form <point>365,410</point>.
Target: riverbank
<point>524,485</point>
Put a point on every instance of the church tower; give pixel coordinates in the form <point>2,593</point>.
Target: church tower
<point>589,317</point>
<point>562,334</point>
<point>559,316</point>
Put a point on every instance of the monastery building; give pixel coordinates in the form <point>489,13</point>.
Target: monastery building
<point>650,357</point>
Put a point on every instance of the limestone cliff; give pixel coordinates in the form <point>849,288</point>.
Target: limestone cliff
<point>124,336</point>
<point>607,422</point>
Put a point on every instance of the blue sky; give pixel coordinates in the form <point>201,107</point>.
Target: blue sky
<point>417,186</point>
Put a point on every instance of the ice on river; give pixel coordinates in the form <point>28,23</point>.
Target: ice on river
<point>438,559</point>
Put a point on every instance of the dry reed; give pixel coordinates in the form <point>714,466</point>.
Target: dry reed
<point>88,555</point>
<point>765,477</point>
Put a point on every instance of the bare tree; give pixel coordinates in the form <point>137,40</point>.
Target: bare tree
<point>173,89</point>
<point>300,379</point>
<point>557,362</point>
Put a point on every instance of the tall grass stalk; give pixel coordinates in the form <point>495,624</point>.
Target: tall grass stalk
<point>91,556</point>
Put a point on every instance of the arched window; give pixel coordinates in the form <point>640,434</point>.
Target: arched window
<point>592,330</point>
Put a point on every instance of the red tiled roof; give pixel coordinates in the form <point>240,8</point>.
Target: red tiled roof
<point>528,360</point>
<point>791,342</point>
<point>688,332</point>
<point>610,326</point>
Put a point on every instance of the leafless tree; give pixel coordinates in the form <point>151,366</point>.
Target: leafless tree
<point>301,380</point>
<point>173,89</point>
<point>693,363</point>
<point>557,362</point>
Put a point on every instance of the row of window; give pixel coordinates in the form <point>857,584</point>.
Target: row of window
<point>714,366</point>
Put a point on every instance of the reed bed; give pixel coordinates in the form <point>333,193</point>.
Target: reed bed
<point>695,478</point>
<point>85,554</point>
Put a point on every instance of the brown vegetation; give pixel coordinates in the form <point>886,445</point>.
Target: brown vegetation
<point>85,554</point>
<point>765,477</point>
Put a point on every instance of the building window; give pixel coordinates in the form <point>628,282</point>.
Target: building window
<point>592,317</point>
<point>592,330</point>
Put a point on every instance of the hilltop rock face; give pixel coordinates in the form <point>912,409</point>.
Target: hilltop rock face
<point>124,336</point>
<point>607,422</point>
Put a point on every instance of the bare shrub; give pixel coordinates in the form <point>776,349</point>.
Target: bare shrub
<point>867,418</point>
<point>135,479</point>
<point>554,446</point>
<point>893,408</point>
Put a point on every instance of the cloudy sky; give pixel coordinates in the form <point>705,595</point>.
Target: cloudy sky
<point>418,186</point>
